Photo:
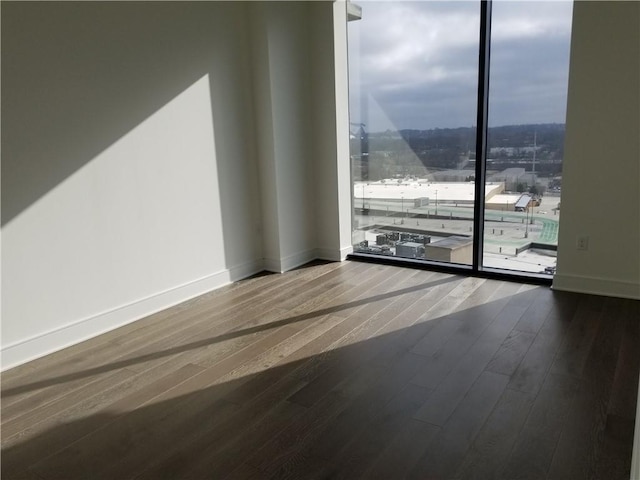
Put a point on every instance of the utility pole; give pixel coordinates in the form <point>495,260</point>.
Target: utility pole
<point>533,163</point>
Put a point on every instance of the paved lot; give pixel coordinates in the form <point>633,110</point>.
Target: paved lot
<point>505,232</point>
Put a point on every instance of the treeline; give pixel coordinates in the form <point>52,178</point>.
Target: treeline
<point>453,148</point>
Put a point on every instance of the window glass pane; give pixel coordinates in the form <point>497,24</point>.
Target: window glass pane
<point>413,72</point>
<point>527,107</point>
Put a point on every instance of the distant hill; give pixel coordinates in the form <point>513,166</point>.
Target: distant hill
<point>453,148</point>
<point>550,134</point>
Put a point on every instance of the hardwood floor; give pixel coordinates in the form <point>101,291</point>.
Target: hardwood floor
<point>339,370</point>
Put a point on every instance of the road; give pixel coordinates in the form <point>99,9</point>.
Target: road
<point>502,228</point>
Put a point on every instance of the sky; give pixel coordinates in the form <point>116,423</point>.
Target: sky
<point>414,64</point>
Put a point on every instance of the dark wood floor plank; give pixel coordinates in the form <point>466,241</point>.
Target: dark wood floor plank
<point>444,330</point>
<point>582,438</point>
<point>213,456</point>
<point>310,326</point>
<point>300,335</point>
<point>459,432</point>
<point>246,472</point>
<point>41,387</point>
<point>532,370</point>
<point>617,443</point>
<point>333,336</point>
<point>364,449</point>
<point>134,440</point>
<point>572,355</point>
<point>473,324</point>
<point>530,458</point>
<point>290,364</point>
<point>59,431</point>
<point>336,371</point>
<point>375,318</point>
<point>432,289</point>
<point>495,440</point>
<point>213,375</point>
<point>24,475</point>
<point>285,449</point>
<point>32,416</point>
<point>490,332</point>
<point>220,352</point>
<point>42,367</point>
<point>377,282</point>
<point>353,329</point>
<point>525,297</point>
<point>319,355</point>
<point>210,449</point>
<point>534,448</point>
<point>364,408</point>
<point>151,344</point>
<point>302,296</point>
<point>55,396</point>
<point>402,452</point>
<point>537,312</point>
<point>575,453</point>
<point>614,454</point>
<point>511,352</point>
<point>216,449</point>
<point>347,286</point>
<point>240,326</point>
<point>623,399</point>
<point>407,329</point>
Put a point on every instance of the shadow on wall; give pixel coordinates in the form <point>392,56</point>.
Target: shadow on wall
<point>78,76</point>
<point>347,404</point>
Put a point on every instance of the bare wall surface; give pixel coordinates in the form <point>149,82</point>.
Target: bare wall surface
<point>128,175</point>
<point>601,172</point>
<point>330,139</point>
<point>153,151</point>
<point>280,34</point>
<point>303,175</point>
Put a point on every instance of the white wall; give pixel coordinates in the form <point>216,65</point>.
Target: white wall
<point>119,122</point>
<point>155,151</point>
<point>306,190</point>
<point>601,171</point>
<point>332,171</point>
<point>282,83</point>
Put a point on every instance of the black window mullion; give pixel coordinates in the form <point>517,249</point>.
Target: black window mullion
<point>481,131</point>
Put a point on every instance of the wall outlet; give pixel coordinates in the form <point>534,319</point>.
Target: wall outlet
<point>582,242</point>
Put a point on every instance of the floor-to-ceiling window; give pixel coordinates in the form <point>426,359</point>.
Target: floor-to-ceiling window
<point>527,110</point>
<point>421,134</point>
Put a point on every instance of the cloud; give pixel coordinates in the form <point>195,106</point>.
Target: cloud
<point>418,62</point>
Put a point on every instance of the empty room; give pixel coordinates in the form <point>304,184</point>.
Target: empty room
<point>228,253</point>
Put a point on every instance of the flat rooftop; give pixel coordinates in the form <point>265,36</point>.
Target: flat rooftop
<point>449,192</point>
<point>505,199</point>
<point>453,242</point>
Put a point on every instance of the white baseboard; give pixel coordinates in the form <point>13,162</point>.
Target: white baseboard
<point>292,261</point>
<point>245,270</point>
<point>78,331</point>
<point>280,265</point>
<point>596,286</point>
<point>334,255</point>
<point>272,265</point>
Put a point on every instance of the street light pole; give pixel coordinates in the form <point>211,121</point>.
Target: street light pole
<point>436,202</point>
<point>533,210</point>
